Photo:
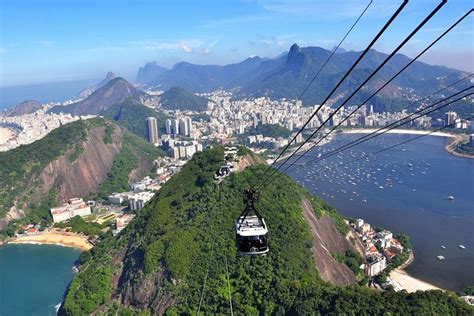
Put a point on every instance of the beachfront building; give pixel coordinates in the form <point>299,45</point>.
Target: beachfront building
<point>73,207</point>
<point>375,265</point>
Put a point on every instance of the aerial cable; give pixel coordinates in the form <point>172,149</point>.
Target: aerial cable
<point>334,51</point>
<point>381,88</point>
<point>396,145</point>
<point>390,127</point>
<point>418,101</point>
<point>361,56</point>
<point>435,10</point>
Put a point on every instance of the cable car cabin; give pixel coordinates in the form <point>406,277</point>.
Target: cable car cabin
<point>252,235</point>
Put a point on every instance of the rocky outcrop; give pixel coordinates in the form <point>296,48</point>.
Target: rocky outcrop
<point>327,240</point>
<point>83,175</point>
<point>14,213</point>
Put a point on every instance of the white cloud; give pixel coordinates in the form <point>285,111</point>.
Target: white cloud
<point>185,48</point>
<point>44,43</point>
<point>268,41</point>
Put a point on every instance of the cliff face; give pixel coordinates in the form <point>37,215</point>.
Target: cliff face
<point>84,174</point>
<point>327,240</point>
<point>72,161</point>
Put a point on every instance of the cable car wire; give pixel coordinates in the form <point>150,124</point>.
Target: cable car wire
<point>382,87</point>
<point>389,127</point>
<point>395,145</point>
<point>413,103</point>
<point>361,56</point>
<point>422,23</point>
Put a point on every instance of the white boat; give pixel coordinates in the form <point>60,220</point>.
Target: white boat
<point>449,198</point>
<point>443,247</point>
<point>440,257</point>
<point>462,247</point>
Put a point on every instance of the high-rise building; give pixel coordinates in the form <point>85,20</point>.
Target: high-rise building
<point>255,121</point>
<point>175,127</point>
<point>183,127</point>
<point>152,125</point>
<point>371,110</point>
<point>189,124</point>
<point>450,118</point>
<point>168,127</point>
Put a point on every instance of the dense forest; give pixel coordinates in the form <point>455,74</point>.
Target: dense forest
<point>178,256</point>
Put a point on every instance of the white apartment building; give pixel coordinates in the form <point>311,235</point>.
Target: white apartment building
<point>73,207</point>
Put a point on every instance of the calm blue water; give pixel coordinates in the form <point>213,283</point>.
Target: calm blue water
<point>422,174</point>
<point>34,278</point>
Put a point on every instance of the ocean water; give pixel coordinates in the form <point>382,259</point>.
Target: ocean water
<point>405,190</point>
<point>34,278</point>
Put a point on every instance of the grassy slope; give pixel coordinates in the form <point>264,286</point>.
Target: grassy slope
<point>188,229</point>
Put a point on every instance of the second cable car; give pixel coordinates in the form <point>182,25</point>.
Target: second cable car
<point>251,229</point>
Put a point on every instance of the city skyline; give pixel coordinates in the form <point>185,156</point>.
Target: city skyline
<point>52,41</point>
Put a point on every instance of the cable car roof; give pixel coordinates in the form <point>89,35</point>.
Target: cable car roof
<point>251,226</point>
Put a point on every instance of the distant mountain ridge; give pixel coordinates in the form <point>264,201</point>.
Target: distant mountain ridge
<point>115,91</point>
<point>84,93</point>
<point>25,107</point>
<point>287,75</point>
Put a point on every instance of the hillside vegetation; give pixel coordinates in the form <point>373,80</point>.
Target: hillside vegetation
<point>177,98</point>
<point>185,235</point>
<point>76,159</point>
<point>132,115</point>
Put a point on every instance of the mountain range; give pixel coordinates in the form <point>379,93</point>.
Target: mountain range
<point>288,74</point>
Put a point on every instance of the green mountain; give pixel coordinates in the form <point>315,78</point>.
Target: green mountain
<point>113,92</point>
<point>132,114</point>
<point>177,98</point>
<point>288,74</point>
<point>178,256</point>
<point>82,158</point>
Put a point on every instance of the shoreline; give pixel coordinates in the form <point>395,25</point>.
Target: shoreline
<point>54,238</point>
<point>398,131</point>
<point>451,148</point>
<point>407,282</point>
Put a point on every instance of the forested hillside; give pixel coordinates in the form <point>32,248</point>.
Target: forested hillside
<point>74,160</point>
<point>132,114</point>
<point>185,238</point>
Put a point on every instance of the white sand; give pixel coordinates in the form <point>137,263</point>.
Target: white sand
<point>409,283</point>
<point>5,135</point>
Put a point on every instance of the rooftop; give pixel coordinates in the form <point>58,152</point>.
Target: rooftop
<point>250,226</point>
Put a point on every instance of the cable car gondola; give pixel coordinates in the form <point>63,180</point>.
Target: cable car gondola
<point>251,230</point>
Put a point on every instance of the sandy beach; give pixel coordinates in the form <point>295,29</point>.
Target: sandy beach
<point>55,238</point>
<point>409,283</point>
<point>5,134</point>
<point>397,131</point>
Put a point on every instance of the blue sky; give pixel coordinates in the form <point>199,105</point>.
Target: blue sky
<point>53,40</point>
